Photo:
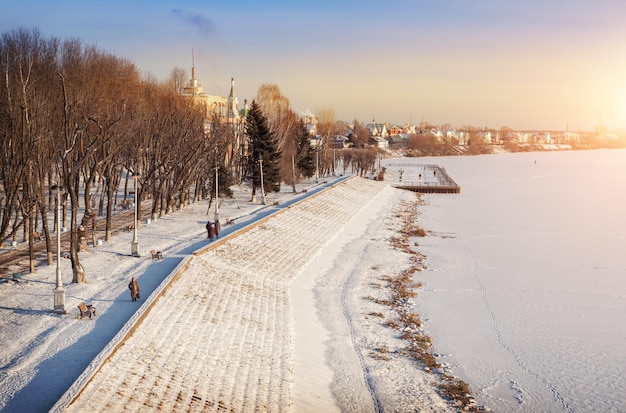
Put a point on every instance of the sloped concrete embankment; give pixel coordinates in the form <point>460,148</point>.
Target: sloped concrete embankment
<point>217,333</point>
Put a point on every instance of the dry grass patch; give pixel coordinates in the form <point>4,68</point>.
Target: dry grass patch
<point>410,319</point>
<point>408,323</point>
<point>381,353</point>
<point>416,232</point>
<point>379,301</point>
<point>425,358</point>
<point>459,391</point>
<point>393,324</point>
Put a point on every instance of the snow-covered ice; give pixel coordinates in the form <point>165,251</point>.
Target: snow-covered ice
<point>526,287</point>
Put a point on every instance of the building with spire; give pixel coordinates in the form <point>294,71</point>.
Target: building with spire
<point>225,108</point>
<point>232,111</point>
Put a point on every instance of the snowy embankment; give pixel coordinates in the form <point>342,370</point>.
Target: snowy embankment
<point>274,319</point>
<point>222,335</point>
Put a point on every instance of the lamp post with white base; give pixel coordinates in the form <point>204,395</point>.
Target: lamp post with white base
<point>262,189</point>
<point>134,245</point>
<point>216,215</point>
<point>59,292</point>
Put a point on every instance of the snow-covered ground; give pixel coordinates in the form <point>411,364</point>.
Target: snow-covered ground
<point>277,318</point>
<point>526,288</point>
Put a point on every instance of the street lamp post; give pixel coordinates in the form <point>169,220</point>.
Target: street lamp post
<point>262,189</point>
<point>134,245</point>
<point>293,174</point>
<point>217,199</point>
<point>317,166</point>
<point>59,292</point>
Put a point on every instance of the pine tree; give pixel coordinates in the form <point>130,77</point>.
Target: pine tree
<point>262,145</point>
<point>304,153</point>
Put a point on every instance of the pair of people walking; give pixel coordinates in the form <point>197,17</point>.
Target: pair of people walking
<point>213,230</point>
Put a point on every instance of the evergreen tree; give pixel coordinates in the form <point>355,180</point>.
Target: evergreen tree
<point>304,153</point>
<point>262,145</point>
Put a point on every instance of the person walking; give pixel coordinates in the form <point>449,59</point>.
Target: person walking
<point>208,229</point>
<point>211,231</point>
<point>133,286</point>
<point>218,229</point>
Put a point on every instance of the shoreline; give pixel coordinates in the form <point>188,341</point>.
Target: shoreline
<point>230,342</point>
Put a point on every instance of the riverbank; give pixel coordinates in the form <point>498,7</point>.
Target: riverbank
<point>274,318</point>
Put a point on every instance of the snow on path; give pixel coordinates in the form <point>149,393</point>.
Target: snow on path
<point>369,370</point>
<point>221,338</point>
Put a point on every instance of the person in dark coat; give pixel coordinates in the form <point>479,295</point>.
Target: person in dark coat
<point>211,230</point>
<point>208,229</point>
<point>133,286</point>
<point>218,229</point>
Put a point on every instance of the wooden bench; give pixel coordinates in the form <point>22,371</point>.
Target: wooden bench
<point>36,236</point>
<point>156,255</point>
<point>86,310</point>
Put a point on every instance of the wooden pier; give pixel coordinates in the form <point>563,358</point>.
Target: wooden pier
<point>426,179</point>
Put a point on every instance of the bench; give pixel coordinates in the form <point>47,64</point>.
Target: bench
<point>86,310</point>
<point>36,236</point>
<point>156,255</point>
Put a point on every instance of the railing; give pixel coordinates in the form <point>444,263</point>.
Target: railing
<point>433,178</point>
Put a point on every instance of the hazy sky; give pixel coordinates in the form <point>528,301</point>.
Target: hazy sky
<point>526,64</point>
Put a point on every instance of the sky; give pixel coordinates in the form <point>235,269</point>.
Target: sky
<point>531,64</point>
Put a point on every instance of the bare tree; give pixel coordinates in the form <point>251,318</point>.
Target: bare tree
<point>360,134</point>
<point>282,123</point>
<point>326,127</point>
<point>170,144</point>
<point>11,133</point>
<point>177,80</point>
<point>27,62</point>
<point>89,114</point>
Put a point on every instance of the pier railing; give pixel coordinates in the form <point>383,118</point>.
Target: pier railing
<point>432,179</point>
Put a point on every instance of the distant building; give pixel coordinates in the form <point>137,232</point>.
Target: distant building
<point>571,137</point>
<point>379,142</point>
<point>212,104</point>
<point>338,142</point>
<point>399,141</point>
<point>225,109</point>
<point>393,130</point>
<point>377,129</point>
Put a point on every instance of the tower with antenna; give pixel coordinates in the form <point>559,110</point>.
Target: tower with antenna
<point>193,88</point>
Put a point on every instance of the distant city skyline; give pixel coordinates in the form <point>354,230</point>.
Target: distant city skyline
<point>531,64</point>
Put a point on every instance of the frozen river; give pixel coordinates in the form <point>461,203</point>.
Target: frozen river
<point>525,294</point>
